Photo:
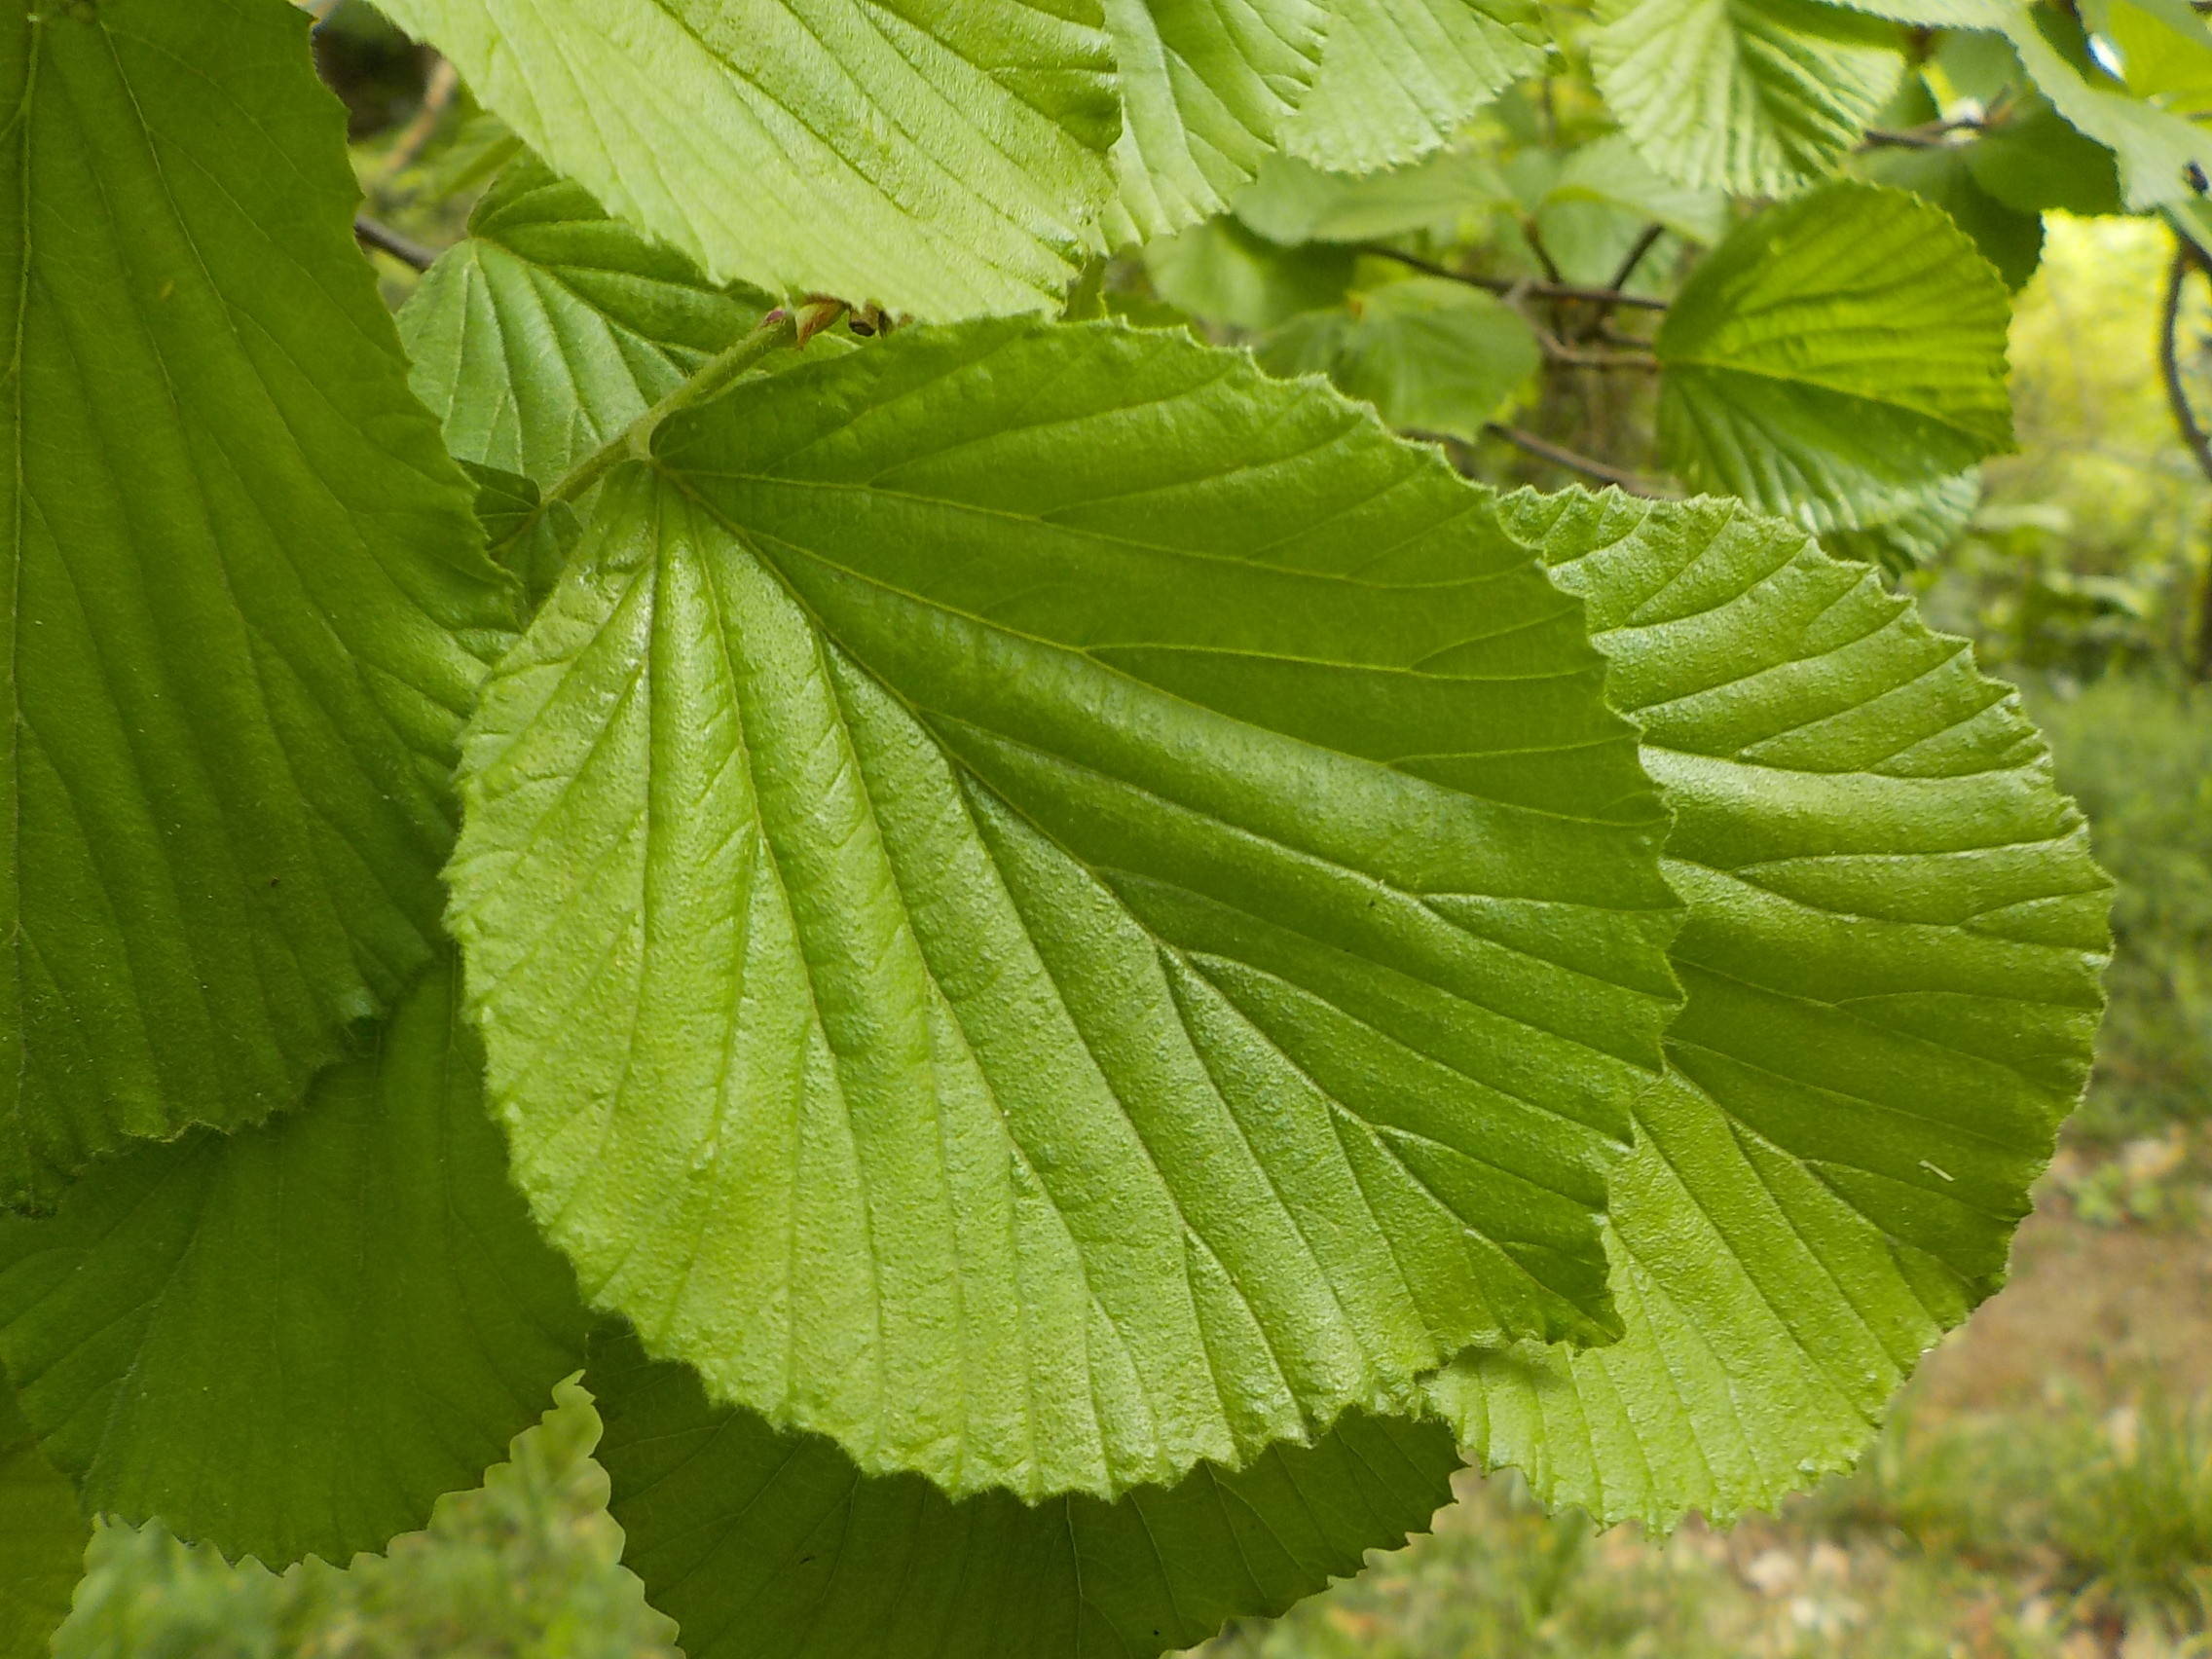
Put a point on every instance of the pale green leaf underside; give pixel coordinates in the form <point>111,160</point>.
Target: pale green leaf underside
<point>1924,525</point>
<point>1433,357</point>
<point>1837,356</point>
<point>1291,201</point>
<point>544,334</point>
<point>292,1339</point>
<point>1755,96</point>
<point>936,158</point>
<point>1051,908</point>
<point>763,1545</point>
<point>42,1540</point>
<point>1892,959</point>
<point>1399,78</point>
<point>247,594</point>
<point>1206,86</point>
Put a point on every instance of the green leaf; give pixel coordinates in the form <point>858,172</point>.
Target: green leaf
<point>1205,90</point>
<point>1892,960</point>
<point>529,535</point>
<point>1224,273</point>
<point>923,985</point>
<point>2009,238</point>
<point>544,334</point>
<point>1611,173</point>
<point>292,1339</point>
<point>938,159</point>
<point>2034,161</point>
<point>1755,96</point>
<point>1837,355</point>
<point>1432,355</point>
<point>774,1545</point>
<point>42,1539</point>
<point>1923,527</point>
<point>2158,151</point>
<point>1294,201</point>
<point>1399,78</point>
<point>248,603</point>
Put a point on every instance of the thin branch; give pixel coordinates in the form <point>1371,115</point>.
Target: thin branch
<point>1507,285</point>
<point>1536,240</point>
<point>2187,259</point>
<point>1543,449</point>
<point>1930,135</point>
<point>1558,351</point>
<point>1644,243</point>
<point>372,233</point>
<point>438,96</point>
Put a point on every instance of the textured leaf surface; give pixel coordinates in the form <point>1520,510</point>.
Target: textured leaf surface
<point>1052,907</point>
<point>540,337</point>
<point>1399,78</point>
<point>936,159</point>
<point>1891,961</point>
<point>1206,86</point>
<point>1432,355</point>
<point>1756,96</point>
<point>774,1545</point>
<point>246,590</point>
<point>42,1539</point>
<point>1834,357</point>
<point>292,1339</point>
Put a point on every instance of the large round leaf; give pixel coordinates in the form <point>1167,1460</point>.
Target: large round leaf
<point>1052,907</point>
<point>1892,959</point>
<point>763,1545</point>
<point>1835,359</point>
<point>293,1339</point>
<point>245,598</point>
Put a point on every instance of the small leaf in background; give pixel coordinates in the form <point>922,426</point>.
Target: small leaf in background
<point>292,1339</point>
<point>1893,952</point>
<point>1399,78</point>
<point>1224,273</point>
<point>251,604</point>
<point>1293,201</point>
<point>551,327</point>
<point>2033,160</point>
<point>528,535</point>
<point>1053,909</point>
<point>2010,240</point>
<point>2165,51</point>
<point>761,1544</point>
<point>2158,151</point>
<point>941,160</point>
<point>1432,355</point>
<point>1756,96</point>
<point>1206,91</point>
<point>1835,356</point>
<point>42,1539</point>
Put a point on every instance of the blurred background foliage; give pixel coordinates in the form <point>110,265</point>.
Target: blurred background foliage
<point>2046,1489</point>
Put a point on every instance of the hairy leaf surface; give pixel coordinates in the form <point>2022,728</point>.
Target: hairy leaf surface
<point>1206,86</point>
<point>552,326</point>
<point>1051,908</point>
<point>1837,356</point>
<point>246,596</point>
<point>292,1339</point>
<point>1399,78</point>
<point>774,1545</point>
<point>42,1539</point>
<point>1892,960</point>
<point>1757,96</point>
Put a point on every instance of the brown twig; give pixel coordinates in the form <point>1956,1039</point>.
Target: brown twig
<point>371,233</point>
<point>2188,260</point>
<point>1507,285</point>
<point>1543,449</point>
<point>437,95</point>
<point>1644,243</point>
